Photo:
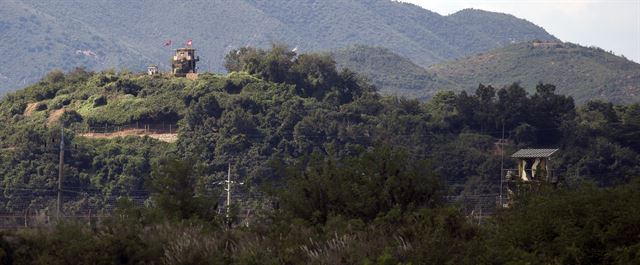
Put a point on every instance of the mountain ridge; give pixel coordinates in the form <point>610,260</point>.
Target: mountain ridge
<point>586,73</point>
<point>124,37</point>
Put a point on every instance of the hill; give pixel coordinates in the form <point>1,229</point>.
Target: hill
<point>391,73</point>
<point>283,106</point>
<point>34,43</point>
<point>43,35</point>
<point>325,171</point>
<point>585,73</point>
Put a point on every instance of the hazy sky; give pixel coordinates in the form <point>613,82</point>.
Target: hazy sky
<point>613,25</point>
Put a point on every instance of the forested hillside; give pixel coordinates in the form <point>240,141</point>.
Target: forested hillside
<point>44,35</point>
<point>391,73</point>
<point>581,72</point>
<point>35,43</point>
<point>276,105</point>
<point>350,176</point>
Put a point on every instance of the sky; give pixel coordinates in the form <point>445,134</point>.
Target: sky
<point>613,25</point>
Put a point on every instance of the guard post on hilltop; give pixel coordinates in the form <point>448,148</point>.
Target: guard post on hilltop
<point>184,61</point>
<point>152,69</point>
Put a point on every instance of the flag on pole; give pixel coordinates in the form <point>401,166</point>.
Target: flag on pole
<point>189,42</point>
<point>167,43</point>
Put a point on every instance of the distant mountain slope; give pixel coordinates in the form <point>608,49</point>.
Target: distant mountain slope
<point>34,42</point>
<point>391,73</point>
<point>584,73</point>
<point>130,34</point>
<point>494,26</point>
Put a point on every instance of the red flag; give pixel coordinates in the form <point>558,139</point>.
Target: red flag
<point>167,43</point>
<point>189,42</point>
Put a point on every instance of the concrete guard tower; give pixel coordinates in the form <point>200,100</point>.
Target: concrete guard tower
<point>533,164</point>
<point>184,62</point>
<point>533,170</point>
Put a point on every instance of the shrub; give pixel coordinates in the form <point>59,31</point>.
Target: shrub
<point>100,101</point>
<point>69,117</point>
<point>41,107</point>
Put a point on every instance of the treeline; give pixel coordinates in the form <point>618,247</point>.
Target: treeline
<point>380,207</point>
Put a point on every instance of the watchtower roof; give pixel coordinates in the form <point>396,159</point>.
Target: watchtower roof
<point>534,153</point>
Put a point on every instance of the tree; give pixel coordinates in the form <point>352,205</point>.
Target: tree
<point>362,187</point>
<point>443,109</point>
<point>314,74</point>
<point>466,107</point>
<point>272,65</point>
<point>513,106</point>
<point>243,59</point>
<point>548,111</point>
<point>174,189</point>
<point>583,226</point>
<point>486,109</point>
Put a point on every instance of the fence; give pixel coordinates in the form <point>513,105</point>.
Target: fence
<point>155,128</point>
<point>36,220</point>
<point>35,208</point>
<point>30,208</point>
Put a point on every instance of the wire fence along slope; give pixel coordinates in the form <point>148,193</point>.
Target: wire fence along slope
<point>36,208</point>
<point>32,208</point>
<point>157,128</point>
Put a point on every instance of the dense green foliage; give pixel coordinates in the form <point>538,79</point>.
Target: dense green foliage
<point>350,177</point>
<point>584,225</point>
<point>177,193</point>
<point>287,106</point>
<point>366,187</point>
<point>581,72</point>
<point>43,35</point>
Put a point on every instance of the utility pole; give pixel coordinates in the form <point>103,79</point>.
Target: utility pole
<point>60,174</point>
<point>502,143</point>
<point>228,190</point>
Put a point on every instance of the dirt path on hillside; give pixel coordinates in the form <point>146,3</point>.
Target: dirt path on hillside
<point>55,116</point>
<point>164,137</point>
<point>31,107</point>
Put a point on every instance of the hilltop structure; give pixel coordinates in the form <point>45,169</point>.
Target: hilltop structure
<point>152,69</point>
<point>184,62</point>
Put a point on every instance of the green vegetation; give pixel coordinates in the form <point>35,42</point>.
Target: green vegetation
<point>581,72</point>
<point>583,225</point>
<point>584,73</point>
<point>287,106</point>
<point>342,174</point>
<point>43,35</point>
<point>391,73</point>
<point>586,225</point>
